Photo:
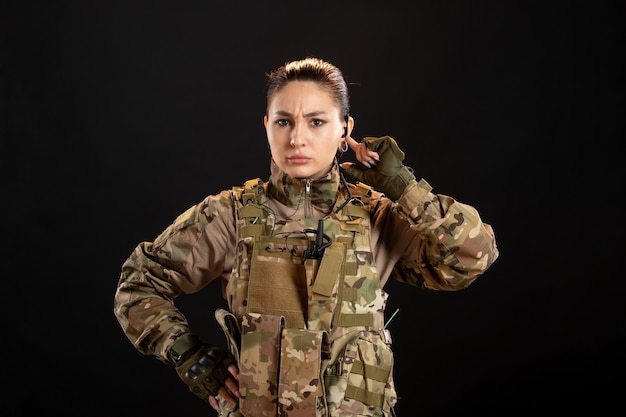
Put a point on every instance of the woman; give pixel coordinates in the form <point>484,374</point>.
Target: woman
<point>304,258</point>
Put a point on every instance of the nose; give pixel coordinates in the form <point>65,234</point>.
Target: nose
<point>297,138</point>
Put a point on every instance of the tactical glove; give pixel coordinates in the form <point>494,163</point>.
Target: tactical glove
<point>202,367</point>
<point>389,175</point>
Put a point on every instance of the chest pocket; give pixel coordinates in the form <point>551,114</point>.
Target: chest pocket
<point>279,279</point>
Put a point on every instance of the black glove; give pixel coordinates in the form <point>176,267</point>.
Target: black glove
<point>202,367</point>
<point>389,175</point>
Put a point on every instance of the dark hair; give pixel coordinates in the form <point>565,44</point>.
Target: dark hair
<point>317,70</point>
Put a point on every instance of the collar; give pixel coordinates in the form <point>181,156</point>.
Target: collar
<point>291,191</point>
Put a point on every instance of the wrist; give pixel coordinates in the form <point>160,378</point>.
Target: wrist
<point>412,199</point>
<point>398,184</point>
<point>182,348</point>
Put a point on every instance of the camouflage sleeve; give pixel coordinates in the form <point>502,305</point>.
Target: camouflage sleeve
<point>446,246</point>
<point>184,258</point>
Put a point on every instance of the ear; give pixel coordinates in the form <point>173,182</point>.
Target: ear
<point>265,121</point>
<point>350,125</point>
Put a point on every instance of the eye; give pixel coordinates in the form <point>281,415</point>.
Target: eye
<point>317,122</point>
<point>282,122</point>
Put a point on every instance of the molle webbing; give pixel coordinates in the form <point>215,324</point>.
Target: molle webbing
<point>292,306</point>
<point>364,372</point>
<point>253,214</point>
<point>355,213</point>
<point>289,278</point>
<point>366,397</point>
<point>372,372</point>
<point>349,267</point>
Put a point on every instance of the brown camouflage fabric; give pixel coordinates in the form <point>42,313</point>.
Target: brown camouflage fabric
<point>309,334</point>
<point>316,332</point>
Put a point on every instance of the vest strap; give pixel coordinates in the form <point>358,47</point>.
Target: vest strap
<point>367,397</point>
<point>355,319</point>
<point>372,372</point>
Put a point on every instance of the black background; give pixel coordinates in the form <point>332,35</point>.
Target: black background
<point>117,116</point>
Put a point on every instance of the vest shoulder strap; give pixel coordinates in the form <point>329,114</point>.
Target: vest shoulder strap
<point>249,213</point>
<point>363,199</point>
<point>251,190</point>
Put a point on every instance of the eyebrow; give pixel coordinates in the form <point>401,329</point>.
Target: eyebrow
<point>310,114</point>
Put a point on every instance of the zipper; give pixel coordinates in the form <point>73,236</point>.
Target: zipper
<point>307,197</point>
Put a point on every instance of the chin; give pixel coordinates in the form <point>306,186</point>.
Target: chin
<point>304,171</point>
<point>300,174</point>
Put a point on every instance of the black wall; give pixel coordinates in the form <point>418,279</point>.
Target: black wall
<point>117,116</point>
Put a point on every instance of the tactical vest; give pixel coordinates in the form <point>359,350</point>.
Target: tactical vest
<point>307,312</point>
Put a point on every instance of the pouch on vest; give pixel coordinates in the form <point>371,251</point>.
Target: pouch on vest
<point>258,364</point>
<point>279,286</point>
<point>322,286</point>
<point>362,383</point>
<point>301,353</point>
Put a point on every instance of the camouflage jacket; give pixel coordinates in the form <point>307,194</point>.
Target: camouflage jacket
<point>334,325</point>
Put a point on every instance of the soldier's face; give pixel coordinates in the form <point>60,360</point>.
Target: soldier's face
<point>304,129</point>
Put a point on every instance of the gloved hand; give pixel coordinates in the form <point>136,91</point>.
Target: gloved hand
<point>202,367</point>
<point>389,175</point>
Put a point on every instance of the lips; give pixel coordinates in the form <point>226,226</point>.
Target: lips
<point>298,159</point>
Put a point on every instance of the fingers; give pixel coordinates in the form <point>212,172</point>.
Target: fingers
<point>234,371</point>
<point>223,400</point>
<point>356,171</point>
<point>364,155</point>
<point>232,384</point>
<point>228,394</point>
<point>231,387</point>
<point>214,404</point>
<point>353,144</point>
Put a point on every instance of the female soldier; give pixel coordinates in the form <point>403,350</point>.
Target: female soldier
<point>304,257</point>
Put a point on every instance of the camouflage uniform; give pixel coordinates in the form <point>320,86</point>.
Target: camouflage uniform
<point>308,333</point>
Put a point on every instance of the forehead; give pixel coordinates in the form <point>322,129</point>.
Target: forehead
<point>302,93</point>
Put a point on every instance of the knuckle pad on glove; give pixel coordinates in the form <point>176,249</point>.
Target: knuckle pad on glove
<point>205,371</point>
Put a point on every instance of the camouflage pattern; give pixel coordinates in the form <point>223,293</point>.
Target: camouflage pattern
<point>362,376</point>
<point>259,364</point>
<point>155,273</point>
<point>460,245</point>
<point>299,381</point>
<point>345,301</point>
<point>262,232</point>
<point>310,292</point>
